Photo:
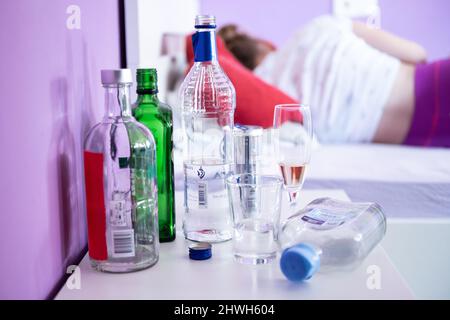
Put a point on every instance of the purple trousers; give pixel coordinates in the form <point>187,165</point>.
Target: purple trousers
<point>431,121</point>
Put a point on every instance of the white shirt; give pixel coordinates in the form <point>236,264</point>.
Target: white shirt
<point>345,81</point>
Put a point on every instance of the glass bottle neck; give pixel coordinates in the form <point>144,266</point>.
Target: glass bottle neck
<point>117,99</point>
<point>204,43</point>
<point>147,97</point>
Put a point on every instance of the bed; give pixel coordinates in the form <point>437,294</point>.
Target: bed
<point>408,182</point>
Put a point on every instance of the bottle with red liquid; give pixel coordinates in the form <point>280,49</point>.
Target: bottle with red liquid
<point>120,184</point>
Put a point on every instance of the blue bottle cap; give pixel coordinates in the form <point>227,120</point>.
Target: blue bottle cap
<point>300,262</point>
<point>200,251</point>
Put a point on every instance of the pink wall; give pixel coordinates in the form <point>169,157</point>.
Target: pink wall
<point>424,21</point>
<point>50,95</point>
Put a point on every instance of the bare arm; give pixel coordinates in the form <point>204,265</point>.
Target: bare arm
<point>405,50</point>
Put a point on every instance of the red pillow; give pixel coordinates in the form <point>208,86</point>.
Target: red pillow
<point>255,99</point>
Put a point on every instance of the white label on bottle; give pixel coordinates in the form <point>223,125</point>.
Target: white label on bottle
<point>203,195</point>
<point>323,220</point>
<point>123,243</point>
<point>197,194</point>
<point>118,216</point>
<point>205,187</point>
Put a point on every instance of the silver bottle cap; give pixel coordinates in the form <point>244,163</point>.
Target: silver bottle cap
<point>247,148</point>
<point>118,76</point>
<point>205,20</point>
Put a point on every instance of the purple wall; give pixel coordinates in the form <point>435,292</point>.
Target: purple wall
<point>424,21</point>
<point>50,96</point>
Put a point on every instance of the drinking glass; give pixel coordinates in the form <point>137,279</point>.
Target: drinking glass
<point>255,204</point>
<point>293,140</point>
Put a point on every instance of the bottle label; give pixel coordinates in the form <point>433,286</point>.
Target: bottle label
<point>118,214</point>
<point>202,195</point>
<point>323,220</point>
<point>205,187</point>
<point>122,243</point>
<point>204,44</point>
<point>95,205</point>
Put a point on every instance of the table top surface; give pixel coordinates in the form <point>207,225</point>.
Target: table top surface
<point>175,276</point>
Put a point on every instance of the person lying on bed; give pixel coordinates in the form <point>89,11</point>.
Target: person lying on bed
<point>362,84</point>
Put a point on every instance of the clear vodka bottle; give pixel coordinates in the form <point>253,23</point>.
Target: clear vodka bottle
<point>208,101</point>
<point>329,235</point>
<point>120,183</point>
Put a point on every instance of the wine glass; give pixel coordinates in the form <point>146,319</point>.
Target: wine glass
<point>293,141</point>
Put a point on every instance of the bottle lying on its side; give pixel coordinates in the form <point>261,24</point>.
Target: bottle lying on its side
<point>329,235</point>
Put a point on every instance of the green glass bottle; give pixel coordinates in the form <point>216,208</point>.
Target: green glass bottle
<point>157,117</point>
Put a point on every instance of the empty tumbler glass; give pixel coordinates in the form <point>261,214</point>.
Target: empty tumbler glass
<point>255,204</point>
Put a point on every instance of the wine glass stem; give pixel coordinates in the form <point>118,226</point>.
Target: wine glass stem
<point>292,200</point>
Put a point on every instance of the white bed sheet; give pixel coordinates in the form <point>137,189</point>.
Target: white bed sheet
<point>407,182</point>
<point>374,162</point>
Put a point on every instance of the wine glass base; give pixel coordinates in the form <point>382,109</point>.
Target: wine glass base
<point>255,259</point>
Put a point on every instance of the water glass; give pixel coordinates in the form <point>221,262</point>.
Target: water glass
<point>255,204</point>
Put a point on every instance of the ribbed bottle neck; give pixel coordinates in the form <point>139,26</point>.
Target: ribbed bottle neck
<point>147,81</point>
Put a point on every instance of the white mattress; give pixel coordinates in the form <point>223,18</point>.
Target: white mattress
<point>407,182</point>
<point>374,162</point>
